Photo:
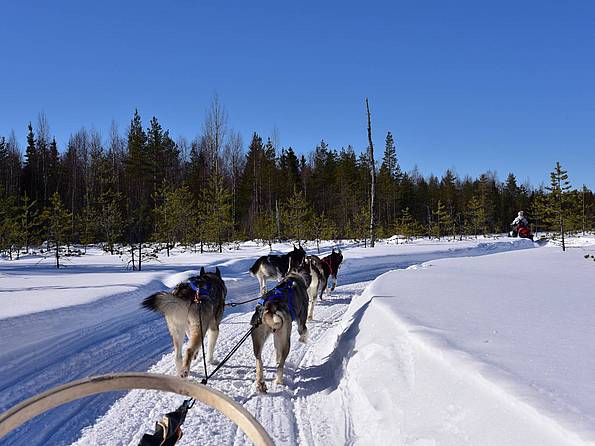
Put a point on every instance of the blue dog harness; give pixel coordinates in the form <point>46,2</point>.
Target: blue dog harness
<point>200,292</point>
<point>281,293</point>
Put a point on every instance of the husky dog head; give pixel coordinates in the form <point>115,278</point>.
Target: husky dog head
<point>296,258</point>
<point>336,258</point>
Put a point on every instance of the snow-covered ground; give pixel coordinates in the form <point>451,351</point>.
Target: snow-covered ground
<point>453,347</point>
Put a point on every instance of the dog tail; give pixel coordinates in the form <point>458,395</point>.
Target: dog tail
<point>163,302</point>
<point>254,268</point>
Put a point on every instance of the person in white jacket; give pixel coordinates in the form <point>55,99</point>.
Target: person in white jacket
<point>520,220</point>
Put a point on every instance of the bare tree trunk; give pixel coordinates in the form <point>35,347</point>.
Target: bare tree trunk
<point>584,219</point>
<point>562,231</point>
<point>140,255</point>
<point>278,220</point>
<point>373,182</point>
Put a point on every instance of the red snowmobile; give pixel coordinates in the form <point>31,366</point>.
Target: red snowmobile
<point>521,231</point>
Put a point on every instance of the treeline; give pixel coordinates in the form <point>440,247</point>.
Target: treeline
<point>145,187</point>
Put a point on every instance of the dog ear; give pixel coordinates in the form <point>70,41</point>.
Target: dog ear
<point>333,251</point>
<point>217,272</point>
<point>202,270</point>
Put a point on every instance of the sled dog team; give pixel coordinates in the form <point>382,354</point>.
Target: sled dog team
<point>196,306</point>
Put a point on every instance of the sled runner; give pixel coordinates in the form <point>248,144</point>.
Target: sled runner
<point>168,431</point>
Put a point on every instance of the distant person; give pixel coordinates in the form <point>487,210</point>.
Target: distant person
<point>520,220</point>
<point>520,227</point>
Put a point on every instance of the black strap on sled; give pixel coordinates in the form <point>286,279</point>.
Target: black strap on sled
<point>168,431</point>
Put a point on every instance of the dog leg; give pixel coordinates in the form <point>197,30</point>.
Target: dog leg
<point>282,343</point>
<point>303,331</point>
<point>262,282</point>
<point>331,288</point>
<point>194,343</point>
<point>324,285</point>
<point>311,308</point>
<point>213,335</point>
<point>177,331</point>
<point>258,337</point>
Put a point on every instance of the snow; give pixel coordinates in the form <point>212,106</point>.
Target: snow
<point>424,343</point>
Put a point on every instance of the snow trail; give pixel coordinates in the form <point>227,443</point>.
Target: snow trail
<point>113,334</point>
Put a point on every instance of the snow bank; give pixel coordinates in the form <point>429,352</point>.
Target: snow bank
<point>494,350</point>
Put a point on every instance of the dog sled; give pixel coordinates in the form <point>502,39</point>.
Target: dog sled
<point>167,431</point>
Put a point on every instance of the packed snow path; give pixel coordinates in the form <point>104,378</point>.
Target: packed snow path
<point>113,334</point>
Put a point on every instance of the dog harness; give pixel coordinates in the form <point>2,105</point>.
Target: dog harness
<point>200,292</point>
<point>280,294</point>
<point>329,262</point>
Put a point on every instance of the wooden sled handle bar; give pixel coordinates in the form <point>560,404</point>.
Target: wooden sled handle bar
<point>57,396</point>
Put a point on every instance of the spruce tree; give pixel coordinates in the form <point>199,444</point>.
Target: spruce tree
<point>442,220</point>
<point>31,171</point>
<point>389,176</point>
<point>559,188</point>
<point>9,224</point>
<point>538,211</point>
<point>3,166</point>
<point>406,225</point>
<point>475,216</point>
<point>265,227</point>
<point>110,219</point>
<point>297,217</point>
<point>218,218</point>
<point>56,220</point>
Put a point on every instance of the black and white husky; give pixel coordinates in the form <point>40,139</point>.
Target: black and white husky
<point>321,271</point>
<point>198,301</point>
<point>276,266</point>
<point>274,314</point>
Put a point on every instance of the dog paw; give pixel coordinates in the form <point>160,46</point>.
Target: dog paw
<point>304,338</point>
<point>309,318</point>
<point>184,373</point>
<point>261,387</point>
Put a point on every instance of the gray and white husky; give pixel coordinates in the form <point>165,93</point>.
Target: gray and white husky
<point>276,266</point>
<point>274,314</point>
<point>321,271</point>
<point>198,301</point>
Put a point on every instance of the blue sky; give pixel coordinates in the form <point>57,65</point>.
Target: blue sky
<point>474,86</point>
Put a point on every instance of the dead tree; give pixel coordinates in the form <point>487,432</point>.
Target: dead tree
<point>373,179</point>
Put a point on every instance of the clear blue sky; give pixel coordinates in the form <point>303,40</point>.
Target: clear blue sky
<point>469,85</point>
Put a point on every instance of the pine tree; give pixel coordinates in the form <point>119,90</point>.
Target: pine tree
<point>56,221</point>
<point>585,207</point>
<point>265,227</point>
<point>406,225</point>
<point>557,198</point>
<point>322,228</point>
<point>31,173</point>
<point>297,217</point>
<point>3,166</point>
<point>218,218</point>
<point>110,219</point>
<point>88,223</point>
<point>443,220</point>
<point>539,211</point>
<point>173,215</point>
<point>475,216</point>
<point>389,176</point>
<point>9,224</point>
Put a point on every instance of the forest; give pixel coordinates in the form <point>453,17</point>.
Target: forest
<point>140,188</point>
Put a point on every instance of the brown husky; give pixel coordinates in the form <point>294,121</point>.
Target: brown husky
<point>274,313</point>
<point>200,300</point>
